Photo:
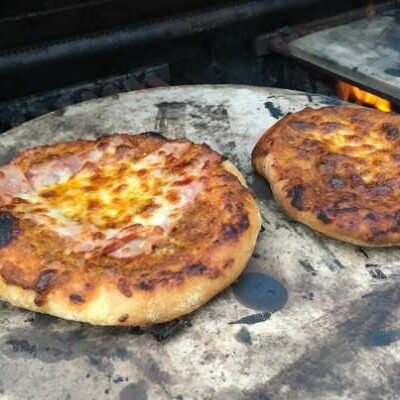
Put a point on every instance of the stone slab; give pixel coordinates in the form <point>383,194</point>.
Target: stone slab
<point>335,333</point>
<point>366,52</point>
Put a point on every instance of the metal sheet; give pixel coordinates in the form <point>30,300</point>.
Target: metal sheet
<point>334,336</point>
<point>365,52</point>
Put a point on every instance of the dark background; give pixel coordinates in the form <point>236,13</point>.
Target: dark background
<point>58,52</point>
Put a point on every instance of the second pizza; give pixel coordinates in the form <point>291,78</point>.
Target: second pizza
<point>337,170</point>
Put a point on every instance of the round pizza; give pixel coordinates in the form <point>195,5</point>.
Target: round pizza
<point>337,170</point>
<point>123,230</point>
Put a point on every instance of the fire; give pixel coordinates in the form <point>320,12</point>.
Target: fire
<point>356,95</point>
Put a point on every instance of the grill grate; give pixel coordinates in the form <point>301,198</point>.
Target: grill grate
<point>14,113</point>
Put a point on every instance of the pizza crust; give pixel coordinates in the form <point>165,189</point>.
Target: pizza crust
<point>113,300</point>
<point>355,197</point>
<point>279,191</point>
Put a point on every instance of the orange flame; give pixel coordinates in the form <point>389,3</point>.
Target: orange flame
<point>356,95</point>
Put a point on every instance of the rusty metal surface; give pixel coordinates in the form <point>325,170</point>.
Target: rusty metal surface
<point>365,52</point>
<point>279,40</point>
<point>310,318</point>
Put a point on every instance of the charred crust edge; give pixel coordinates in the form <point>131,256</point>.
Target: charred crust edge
<point>296,193</point>
<point>195,269</point>
<point>44,279</point>
<point>9,228</point>
<point>123,318</point>
<point>232,230</point>
<point>152,134</point>
<point>77,298</point>
<point>323,216</point>
<point>146,285</point>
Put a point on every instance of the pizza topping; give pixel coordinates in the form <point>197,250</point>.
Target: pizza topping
<point>111,204</point>
<point>13,181</point>
<point>42,175</point>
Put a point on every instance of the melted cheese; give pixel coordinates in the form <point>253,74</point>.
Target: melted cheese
<point>111,196</point>
<point>371,152</point>
<point>118,201</point>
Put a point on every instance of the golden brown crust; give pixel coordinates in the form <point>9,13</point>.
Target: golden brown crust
<point>336,170</point>
<point>205,252</point>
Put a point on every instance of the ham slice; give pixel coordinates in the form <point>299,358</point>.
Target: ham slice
<point>13,181</point>
<point>179,188</point>
<point>134,248</point>
<point>49,173</point>
<point>62,168</point>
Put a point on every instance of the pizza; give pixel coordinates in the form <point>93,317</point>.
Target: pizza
<point>122,230</point>
<point>337,170</point>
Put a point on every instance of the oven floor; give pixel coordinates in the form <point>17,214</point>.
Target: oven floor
<point>365,52</point>
<point>335,330</point>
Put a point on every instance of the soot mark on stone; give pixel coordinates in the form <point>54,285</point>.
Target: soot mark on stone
<point>52,340</point>
<point>24,348</point>
<point>244,336</point>
<point>260,292</point>
<point>363,252</point>
<point>361,323</point>
<point>308,296</point>
<point>164,331</point>
<point>261,188</point>
<point>7,157</point>
<point>211,117</point>
<point>253,319</point>
<point>393,71</point>
<point>169,113</point>
<point>134,391</point>
<point>381,337</point>
<point>8,228</point>
<point>274,110</point>
<point>375,271</point>
<point>330,101</point>
<point>308,267</point>
<point>296,193</point>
